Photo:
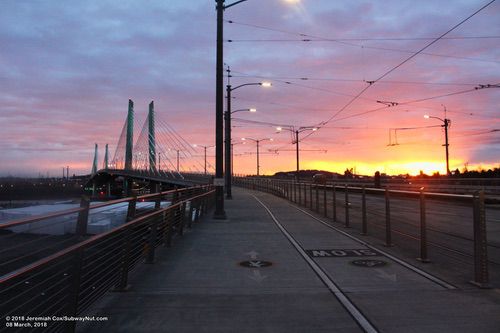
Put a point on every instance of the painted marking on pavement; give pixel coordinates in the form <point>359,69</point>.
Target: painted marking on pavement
<point>433,278</point>
<point>348,305</point>
<point>340,253</point>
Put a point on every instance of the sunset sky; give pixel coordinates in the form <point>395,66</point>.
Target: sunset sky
<point>68,68</point>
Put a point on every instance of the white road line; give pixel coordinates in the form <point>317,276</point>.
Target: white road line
<point>433,278</point>
<point>349,306</point>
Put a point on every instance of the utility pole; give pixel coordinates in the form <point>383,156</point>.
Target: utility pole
<point>228,141</point>
<point>446,124</point>
<point>219,116</point>
<point>297,152</point>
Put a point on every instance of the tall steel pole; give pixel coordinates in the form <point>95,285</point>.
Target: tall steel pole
<point>297,152</point>
<point>445,125</point>
<point>258,164</point>
<point>228,143</point>
<point>151,138</point>
<point>219,117</point>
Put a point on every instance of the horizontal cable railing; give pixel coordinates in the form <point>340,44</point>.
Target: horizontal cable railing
<point>69,280</point>
<point>452,226</point>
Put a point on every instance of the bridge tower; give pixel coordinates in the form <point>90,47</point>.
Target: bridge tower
<point>130,135</point>
<point>94,164</point>
<point>151,138</point>
<point>106,158</point>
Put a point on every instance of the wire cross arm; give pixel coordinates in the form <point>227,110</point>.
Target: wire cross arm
<point>234,3</point>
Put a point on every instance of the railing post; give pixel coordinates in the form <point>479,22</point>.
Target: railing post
<point>334,200</point>
<point>481,275</point>
<point>198,209</point>
<point>364,221</point>
<point>423,229</point>
<point>305,194</point>
<point>388,234</point>
<point>325,210</point>
<point>346,207</point>
<point>300,193</point>
<point>294,191</point>
<point>125,262</point>
<point>190,216</point>
<point>132,204</point>
<point>182,216</point>
<point>311,196</point>
<point>83,217</point>
<point>158,198</point>
<point>317,199</point>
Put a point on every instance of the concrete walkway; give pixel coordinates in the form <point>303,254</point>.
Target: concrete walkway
<point>312,284</point>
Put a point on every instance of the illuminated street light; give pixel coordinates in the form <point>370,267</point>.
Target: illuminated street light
<point>219,110</point>
<point>446,124</point>
<point>227,115</point>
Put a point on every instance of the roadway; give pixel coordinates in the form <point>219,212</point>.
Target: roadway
<point>275,267</point>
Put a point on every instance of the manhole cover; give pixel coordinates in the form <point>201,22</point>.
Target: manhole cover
<point>255,263</point>
<point>369,263</point>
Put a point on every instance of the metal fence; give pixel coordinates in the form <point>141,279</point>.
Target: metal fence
<point>431,226</point>
<point>66,282</point>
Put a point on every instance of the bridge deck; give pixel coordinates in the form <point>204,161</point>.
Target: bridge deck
<point>200,286</point>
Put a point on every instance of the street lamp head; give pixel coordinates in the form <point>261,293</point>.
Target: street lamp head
<point>279,128</point>
<point>314,128</point>
<point>252,110</point>
<point>243,139</point>
<point>266,84</point>
<point>426,116</point>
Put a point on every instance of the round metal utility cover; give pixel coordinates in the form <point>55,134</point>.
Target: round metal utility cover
<point>255,263</point>
<point>369,263</point>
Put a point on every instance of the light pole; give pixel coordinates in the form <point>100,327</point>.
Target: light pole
<point>446,124</point>
<point>227,117</point>
<point>257,141</point>
<point>205,154</point>
<point>296,132</point>
<point>219,111</point>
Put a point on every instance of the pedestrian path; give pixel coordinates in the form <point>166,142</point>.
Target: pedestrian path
<point>272,267</point>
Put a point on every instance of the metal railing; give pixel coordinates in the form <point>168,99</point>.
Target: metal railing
<point>68,281</point>
<point>419,220</point>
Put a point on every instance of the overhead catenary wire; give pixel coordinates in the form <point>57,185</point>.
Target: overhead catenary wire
<point>348,42</point>
<point>385,74</point>
<point>306,78</point>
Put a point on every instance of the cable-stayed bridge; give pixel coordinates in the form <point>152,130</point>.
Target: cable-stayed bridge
<point>152,152</point>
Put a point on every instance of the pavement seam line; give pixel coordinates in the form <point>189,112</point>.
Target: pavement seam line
<point>361,320</point>
<point>417,270</point>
